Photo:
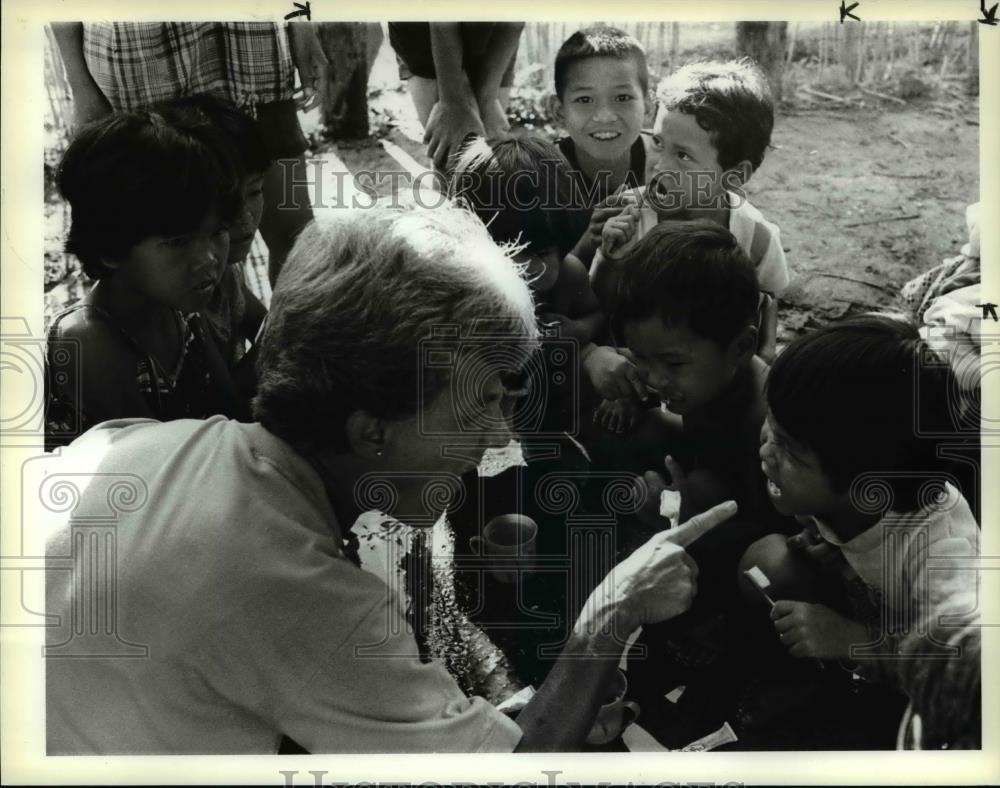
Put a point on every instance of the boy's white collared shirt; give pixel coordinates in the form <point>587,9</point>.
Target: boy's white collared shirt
<point>913,549</point>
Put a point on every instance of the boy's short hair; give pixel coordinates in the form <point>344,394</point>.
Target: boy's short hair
<point>247,141</point>
<point>600,41</point>
<point>521,189</point>
<point>731,101</point>
<point>132,175</point>
<point>688,273</point>
<point>856,393</point>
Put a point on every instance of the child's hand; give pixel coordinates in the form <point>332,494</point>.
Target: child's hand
<point>619,231</point>
<point>815,547</point>
<point>649,490</point>
<point>809,630</point>
<point>613,375</point>
<point>610,206</point>
<point>617,415</point>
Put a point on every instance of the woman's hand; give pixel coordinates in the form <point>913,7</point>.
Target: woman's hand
<point>657,581</point>
<point>310,61</point>
<point>809,630</point>
<point>653,584</point>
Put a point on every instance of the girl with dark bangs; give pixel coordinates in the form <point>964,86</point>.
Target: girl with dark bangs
<point>152,201</point>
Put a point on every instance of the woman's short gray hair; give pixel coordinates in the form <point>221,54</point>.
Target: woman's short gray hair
<point>358,296</point>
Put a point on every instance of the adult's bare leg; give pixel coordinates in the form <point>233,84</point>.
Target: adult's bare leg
<point>424,93</point>
<point>287,210</point>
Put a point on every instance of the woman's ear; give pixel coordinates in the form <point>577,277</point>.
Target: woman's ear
<point>365,434</point>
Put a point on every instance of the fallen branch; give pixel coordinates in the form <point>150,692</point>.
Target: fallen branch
<point>827,96</point>
<point>941,113</point>
<point>898,175</point>
<point>885,96</point>
<point>884,219</point>
<point>897,140</point>
<point>877,286</point>
<point>971,121</point>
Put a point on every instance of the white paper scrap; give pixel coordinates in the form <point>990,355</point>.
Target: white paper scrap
<point>638,739</point>
<point>675,694</point>
<point>517,701</point>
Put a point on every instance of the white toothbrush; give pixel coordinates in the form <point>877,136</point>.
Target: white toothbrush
<point>756,576</point>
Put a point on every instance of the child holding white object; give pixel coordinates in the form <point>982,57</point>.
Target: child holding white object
<point>885,528</point>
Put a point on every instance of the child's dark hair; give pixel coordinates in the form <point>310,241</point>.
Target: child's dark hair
<point>693,274</point>
<point>133,175</point>
<point>731,101</point>
<point>520,188</point>
<point>600,41</point>
<point>243,132</point>
<point>856,393</point>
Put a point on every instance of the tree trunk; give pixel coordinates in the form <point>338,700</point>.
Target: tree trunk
<point>850,51</point>
<point>791,43</point>
<point>765,42</point>
<point>351,48</point>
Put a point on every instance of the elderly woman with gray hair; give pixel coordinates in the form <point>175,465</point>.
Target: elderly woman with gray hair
<point>233,577</point>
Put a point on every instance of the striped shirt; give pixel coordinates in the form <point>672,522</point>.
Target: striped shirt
<point>136,64</point>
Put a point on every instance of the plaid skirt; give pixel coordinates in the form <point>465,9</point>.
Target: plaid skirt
<point>136,64</point>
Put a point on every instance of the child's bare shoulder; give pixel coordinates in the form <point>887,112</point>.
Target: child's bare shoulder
<point>102,346</point>
<point>572,269</point>
<point>572,289</point>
